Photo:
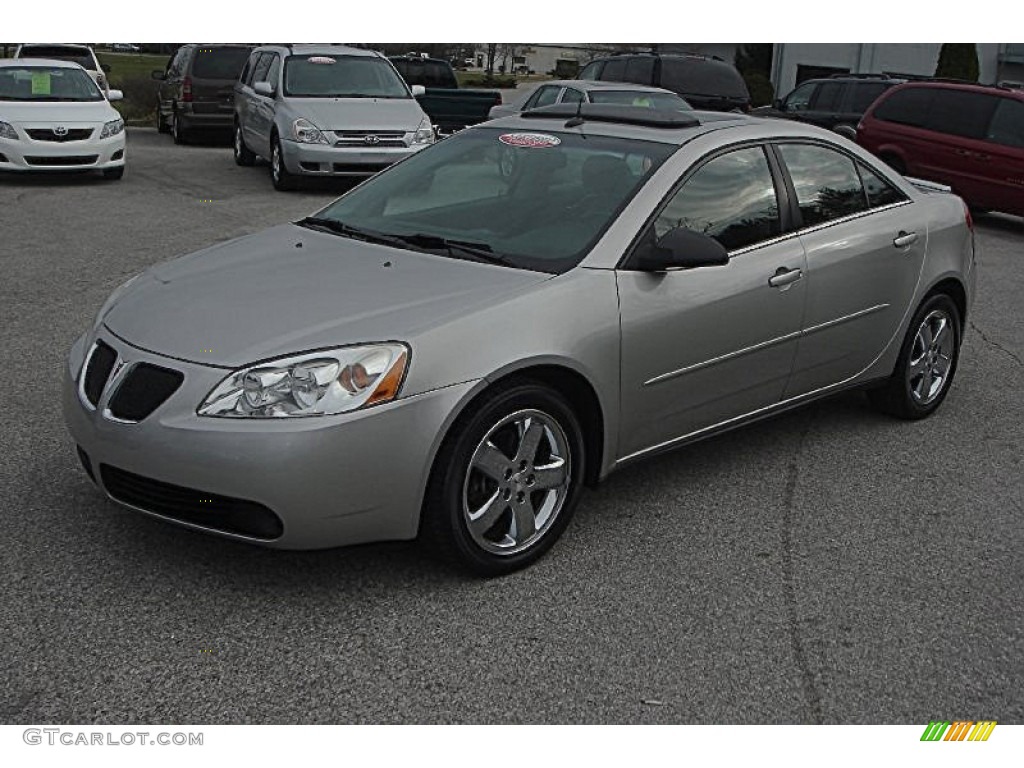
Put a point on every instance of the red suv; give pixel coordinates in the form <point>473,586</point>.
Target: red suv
<point>970,137</point>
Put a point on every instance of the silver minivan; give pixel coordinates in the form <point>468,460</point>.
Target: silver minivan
<point>325,110</point>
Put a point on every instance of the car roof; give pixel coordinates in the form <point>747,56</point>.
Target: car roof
<point>328,49</point>
<point>29,61</point>
<point>605,85</point>
<point>80,46</point>
<point>956,85</point>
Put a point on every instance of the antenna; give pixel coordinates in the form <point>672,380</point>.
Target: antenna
<point>577,120</point>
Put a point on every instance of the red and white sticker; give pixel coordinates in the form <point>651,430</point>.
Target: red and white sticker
<point>530,140</point>
<point>321,60</point>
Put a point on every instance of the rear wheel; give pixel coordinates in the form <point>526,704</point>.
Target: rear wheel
<point>161,123</point>
<point>846,131</point>
<point>243,155</point>
<point>506,482</point>
<point>927,362</point>
<point>283,180</point>
<point>179,132</point>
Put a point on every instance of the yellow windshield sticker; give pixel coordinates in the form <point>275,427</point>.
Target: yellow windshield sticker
<point>40,83</point>
<point>642,101</point>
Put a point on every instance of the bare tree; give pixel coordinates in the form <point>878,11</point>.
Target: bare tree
<point>507,51</point>
<point>492,52</point>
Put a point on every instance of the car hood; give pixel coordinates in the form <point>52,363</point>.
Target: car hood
<point>52,111</point>
<point>358,114</point>
<point>290,289</point>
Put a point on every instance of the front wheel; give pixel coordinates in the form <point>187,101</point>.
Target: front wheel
<point>506,481</point>
<point>243,155</point>
<point>927,362</point>
<point>282,179</point>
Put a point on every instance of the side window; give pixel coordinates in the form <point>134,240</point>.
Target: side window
<point>800,99</point>
<point>246,71</point>
<point>571,96</point>
<point>879,191</point>
<point>961,113</point>
<point>730,198</point>
<point>827,184</point>
<point>828,97</point>
<point>259,73</point>
<point>274,73</point>
<point>177,65</point>
<point>1007,126</point>
<point>615,69</point>
<point>909,106</point>
<point>864,94</point>
<point>592,71</point>
<point>544,97</point>
<point>640,69</point>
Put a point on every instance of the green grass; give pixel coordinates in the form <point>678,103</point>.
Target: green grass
<point>131,73</point>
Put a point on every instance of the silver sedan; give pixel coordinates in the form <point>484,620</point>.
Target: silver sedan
<point>453,349</point>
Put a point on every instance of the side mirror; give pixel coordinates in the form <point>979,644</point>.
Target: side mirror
<point>682,248</point>
<point>105,68</point>
<point>418,90</point>
<point>263,88</point>
<point>114,95</point>
<point>158,74</point>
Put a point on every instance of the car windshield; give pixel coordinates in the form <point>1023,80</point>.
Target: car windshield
<point>533,199</point>
<point>652,99</point>
<point>323,76</point>
<point>47,84</point>
<point>80,56</point>
<point>219,63</point>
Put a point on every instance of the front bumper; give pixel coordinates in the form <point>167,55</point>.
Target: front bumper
<point>325,160</point>
<point>332,481</point>
<point>90,154</point>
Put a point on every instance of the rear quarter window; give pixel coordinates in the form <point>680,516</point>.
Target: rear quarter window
<point>961,113</point>
<point>864,95</point>
<point>906,107</point>
<point>219,63</point>
<point>1007,126</point>
<point>702,77</point>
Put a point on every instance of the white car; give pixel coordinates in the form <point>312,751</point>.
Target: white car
<point>54,118</point>
<point>82,55</point>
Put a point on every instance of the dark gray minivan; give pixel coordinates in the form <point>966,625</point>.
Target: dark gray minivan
<point>197,90</point>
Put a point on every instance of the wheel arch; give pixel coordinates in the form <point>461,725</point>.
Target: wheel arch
<point>954,288</point>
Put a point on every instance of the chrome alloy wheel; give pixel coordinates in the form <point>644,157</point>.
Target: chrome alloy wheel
<point>931,357</point>
<point>239,146</point>
<point>517,482</point>
<point>275,162</point>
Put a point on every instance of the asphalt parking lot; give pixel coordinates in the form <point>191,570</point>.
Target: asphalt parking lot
<point>830,565</point>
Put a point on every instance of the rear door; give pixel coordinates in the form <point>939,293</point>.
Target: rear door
<point>268,70</point>
<point>703,346</point>
<point>825,104</point>
<point>170,86</point>
<point>865,244</point>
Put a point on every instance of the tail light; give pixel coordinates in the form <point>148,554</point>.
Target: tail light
<point>968,219</point>
<point>186,89</point>
<point>499,101</point>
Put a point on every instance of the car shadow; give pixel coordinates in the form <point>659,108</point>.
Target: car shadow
<point>51,179</point>
<point>1000,222</point>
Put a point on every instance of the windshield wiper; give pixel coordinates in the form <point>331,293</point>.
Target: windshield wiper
<point>347,230</point>
<point>478,251</point>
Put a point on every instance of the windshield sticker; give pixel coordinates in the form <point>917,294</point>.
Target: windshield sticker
<point>321,60</point>
<point>40,83</point>
<point>529,140</point>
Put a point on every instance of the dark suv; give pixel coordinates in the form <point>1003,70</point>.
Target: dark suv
<point>197,91</point>
<point>836,103</point>
<point>968,136</point>
<point>706,82</point>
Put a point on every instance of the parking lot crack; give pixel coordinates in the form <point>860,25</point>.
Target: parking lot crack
<point>996,344</point>
<point>807,678</point>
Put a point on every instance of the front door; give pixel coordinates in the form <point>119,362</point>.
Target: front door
<point>702,346</point>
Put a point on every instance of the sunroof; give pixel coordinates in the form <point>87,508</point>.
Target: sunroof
<point>614,113</point>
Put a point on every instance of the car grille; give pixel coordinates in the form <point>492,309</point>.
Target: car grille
<point>97,371</point>
<point>61,160</point>
<point>144,389</point>
<point>370,139</point>
<point>222,513</point>
<point>367,168</point>
<point>48,134</point>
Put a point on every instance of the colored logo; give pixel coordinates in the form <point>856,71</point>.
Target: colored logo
<point>961,730</point>
<point>529,140</point>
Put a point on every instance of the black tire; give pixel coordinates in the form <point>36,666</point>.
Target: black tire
<point>444,527</point>
<point>179,130</point>
<point>895,397</point>
<point>847,131</point>
<point>280,177</point>
<point>243,155</point>
<point>114,174</point>
<point>161,123</point>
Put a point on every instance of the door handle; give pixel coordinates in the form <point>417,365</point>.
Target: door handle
<point>903,239</point>
<point>783,277</point>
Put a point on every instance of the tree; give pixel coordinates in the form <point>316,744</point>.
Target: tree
<point>492,52</point>
<point>958,61</point>
<point>754,62</point>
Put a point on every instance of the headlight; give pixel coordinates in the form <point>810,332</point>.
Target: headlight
<point>311,384</point>
<point>424,134</point>
<point>7,131</point>
<point>112,128</point>
<point>307,133</point>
